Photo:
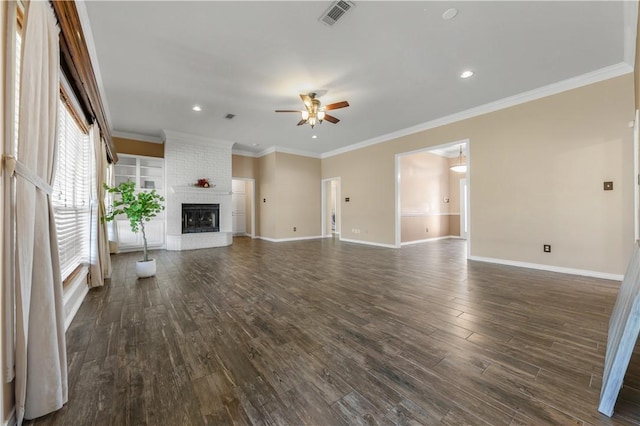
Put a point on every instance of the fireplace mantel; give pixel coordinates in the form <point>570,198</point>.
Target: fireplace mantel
<point>197,190</point>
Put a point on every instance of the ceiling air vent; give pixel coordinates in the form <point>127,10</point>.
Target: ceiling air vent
<point>336,11</point>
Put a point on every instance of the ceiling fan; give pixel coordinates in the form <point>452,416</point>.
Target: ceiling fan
<point>314,112</point>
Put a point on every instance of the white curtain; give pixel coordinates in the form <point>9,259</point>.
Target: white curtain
<point>40,355</point>
<point>100,261</point>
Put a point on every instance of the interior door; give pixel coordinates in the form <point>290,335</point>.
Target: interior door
<point>239,206</point>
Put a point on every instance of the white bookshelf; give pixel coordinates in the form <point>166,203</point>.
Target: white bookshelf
<point>147,173</point>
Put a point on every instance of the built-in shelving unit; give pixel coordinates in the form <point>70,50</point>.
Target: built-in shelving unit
<point>147,173</point>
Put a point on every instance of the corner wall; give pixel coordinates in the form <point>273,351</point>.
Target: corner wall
<point>288,196</point>
<point>536,173</point>
<point>299,196</point>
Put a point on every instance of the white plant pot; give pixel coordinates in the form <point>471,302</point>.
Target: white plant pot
<point>146,269</point>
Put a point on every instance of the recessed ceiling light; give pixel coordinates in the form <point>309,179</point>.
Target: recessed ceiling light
<point>466,74</point>
<point>450,14</point>
<point>197,108</point>
<point>314,137</point>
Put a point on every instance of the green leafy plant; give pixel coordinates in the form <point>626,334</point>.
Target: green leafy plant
<point>139,207</point>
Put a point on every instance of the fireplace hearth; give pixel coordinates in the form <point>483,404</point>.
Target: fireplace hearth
<point>198,218</point>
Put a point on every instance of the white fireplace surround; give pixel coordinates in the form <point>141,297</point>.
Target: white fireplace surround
<point>187,159</point>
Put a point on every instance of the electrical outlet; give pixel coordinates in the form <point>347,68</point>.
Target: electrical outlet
<point>295,229</point>
<point>546,248</point>
<point>264,200</point>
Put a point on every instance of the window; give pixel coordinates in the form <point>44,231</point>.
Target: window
<point>72,192</point>
<point>17,87</point>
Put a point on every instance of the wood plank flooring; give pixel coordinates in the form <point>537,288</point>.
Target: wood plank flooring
<point>321,332</point>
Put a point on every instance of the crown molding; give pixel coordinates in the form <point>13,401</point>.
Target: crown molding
<point>136,137</point>
<point>187,138</point>
<point>602,74</point>
<point>244,153</point>
<point>283,150</point>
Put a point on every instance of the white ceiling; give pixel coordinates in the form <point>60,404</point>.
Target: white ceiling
<point>397,63</point>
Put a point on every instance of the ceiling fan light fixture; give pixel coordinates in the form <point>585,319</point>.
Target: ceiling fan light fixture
<point>314,112</point>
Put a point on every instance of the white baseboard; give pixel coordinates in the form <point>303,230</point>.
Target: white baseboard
<point>428,240</point>
<point>74,295</point>
<point>368,243</point>
<point>550,268</point>
<point>282,240</point>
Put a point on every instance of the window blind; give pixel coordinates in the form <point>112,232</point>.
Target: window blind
<point>71,196</point>
<point>17,91</point>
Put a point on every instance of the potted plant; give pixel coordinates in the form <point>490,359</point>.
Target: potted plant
<point>139,208</point>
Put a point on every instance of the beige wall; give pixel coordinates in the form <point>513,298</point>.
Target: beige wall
<point>298,196</point>
<point>367,179</point>
<point>416,228</point>
<point>424,186</point>
<point>135,147</point>
<point>536,173</point>
<point>248,204</point>
<point>243,167</point>
<point>291,186</point>
<point>267,205</point>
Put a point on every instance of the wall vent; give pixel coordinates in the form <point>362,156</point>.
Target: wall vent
<point>335,12</point>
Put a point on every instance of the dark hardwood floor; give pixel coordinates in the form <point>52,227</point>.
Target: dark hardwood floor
<point>325,333</point>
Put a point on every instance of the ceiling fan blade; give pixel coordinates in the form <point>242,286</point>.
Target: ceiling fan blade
<point>331,118</point>
<point>336,105</point>
<point>301,122</point>
<point>307,100</point>
<point>288,110</point>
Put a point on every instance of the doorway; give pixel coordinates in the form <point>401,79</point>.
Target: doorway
<point>243,207</point>
<point>330,207</point>
<point>432,194</point>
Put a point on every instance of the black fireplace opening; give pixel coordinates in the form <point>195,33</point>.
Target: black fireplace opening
<point>200,218</point>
